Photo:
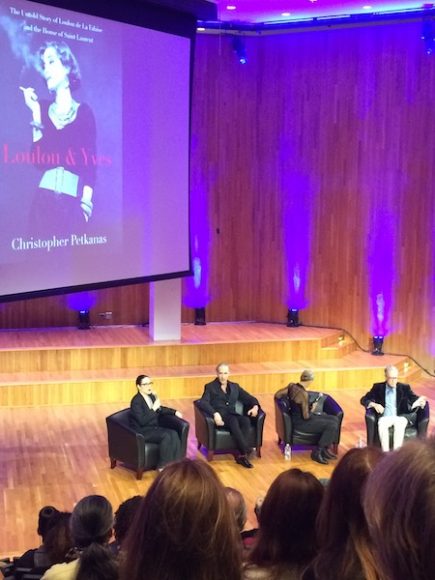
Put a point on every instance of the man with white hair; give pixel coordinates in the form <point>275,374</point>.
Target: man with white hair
<point>396,404</point>
<point>219,401</point>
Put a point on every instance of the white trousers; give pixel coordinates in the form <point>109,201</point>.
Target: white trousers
<point>399,425</point>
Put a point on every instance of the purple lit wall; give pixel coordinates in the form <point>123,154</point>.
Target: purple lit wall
<point>81,300</point>
<point>382,243</point>
<point>432,274</point>
<point>382,184</point>
<point>196,287</point>
<point>298,200</point>
<point>196,293</point>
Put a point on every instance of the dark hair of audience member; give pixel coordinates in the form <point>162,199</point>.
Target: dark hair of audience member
<point>124,516</point>
<point>345,547</point>
<point>91,528</point>
<point>238,506</point>
<point>287,536</point>
<point>399,504</point>
<point>184,529</point>
<point>58,540</point>
<point>46,517</point>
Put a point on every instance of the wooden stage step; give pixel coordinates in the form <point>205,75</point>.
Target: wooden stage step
<point>68,366</point>
<point>131,347</point>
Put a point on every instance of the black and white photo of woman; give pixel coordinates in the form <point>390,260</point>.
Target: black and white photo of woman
<point>63,145</point>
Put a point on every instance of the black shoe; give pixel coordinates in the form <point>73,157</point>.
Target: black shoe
<point>243,460</point>
<point>328,454</point>
<point>317,455</point>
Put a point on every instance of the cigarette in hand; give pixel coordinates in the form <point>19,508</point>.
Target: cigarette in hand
<point>31,91</point>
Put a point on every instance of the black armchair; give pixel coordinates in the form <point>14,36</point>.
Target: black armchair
<point>215,438</point>
<point>129,447</point>
<point>419,429</point>
<point>285,429</point>
<point>15,572</point>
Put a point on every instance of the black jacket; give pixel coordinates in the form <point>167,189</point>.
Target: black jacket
<point>405,397</point>
<point>214,400</point>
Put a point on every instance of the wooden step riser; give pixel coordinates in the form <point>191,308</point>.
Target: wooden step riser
<point>177,387</point>
<point>52,360</point>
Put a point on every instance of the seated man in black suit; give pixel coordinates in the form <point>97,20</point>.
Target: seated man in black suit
<point>145,408</point>
<point>395,403</point>
<point>219,400</point>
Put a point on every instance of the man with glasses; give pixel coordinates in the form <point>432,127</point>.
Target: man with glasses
<point>145,410</point>
<point>396,405</point>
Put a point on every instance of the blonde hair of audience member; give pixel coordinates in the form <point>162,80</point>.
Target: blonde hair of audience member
<point>238,506</point>
<point>346,550</point>
<point>286,541</point>
<point>184,529</point>
<point>399,505</point>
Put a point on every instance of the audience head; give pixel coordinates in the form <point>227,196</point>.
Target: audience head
<point>91,528</point>
<point>345,547</point>
<point>58,541</point>
<point>307,376</point>
<point>399,505</point>
<point>238,506</point>
<point>124,517</point>
<point>47,515</point>
<point>184,528</point>
<point>257,507</point>
<point>287,535</point>
<point>91,521</point>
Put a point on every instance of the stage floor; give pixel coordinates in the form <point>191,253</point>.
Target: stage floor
<point>56,455</point>
<point>58,385</point>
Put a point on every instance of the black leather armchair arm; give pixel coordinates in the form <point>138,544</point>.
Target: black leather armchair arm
<point>205,428</point>
<point>423,420</point>
<point>283,421</point>
<point>259,420</point>
<point>371,426</point>
<point>124,443</point>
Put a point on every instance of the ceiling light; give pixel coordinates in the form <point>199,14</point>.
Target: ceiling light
<point>231,7</point>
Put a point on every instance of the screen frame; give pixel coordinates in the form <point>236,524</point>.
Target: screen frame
<point>154,17</point>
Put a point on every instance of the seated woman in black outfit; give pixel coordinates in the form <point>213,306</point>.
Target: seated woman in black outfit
<point>306,416</point>
<point>145,410</point>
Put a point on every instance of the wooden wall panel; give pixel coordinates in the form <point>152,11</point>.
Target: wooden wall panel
<point>355,108</point>
<point>128,305</point>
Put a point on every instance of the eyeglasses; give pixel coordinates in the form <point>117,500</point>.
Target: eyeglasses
<point>146,384</point>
